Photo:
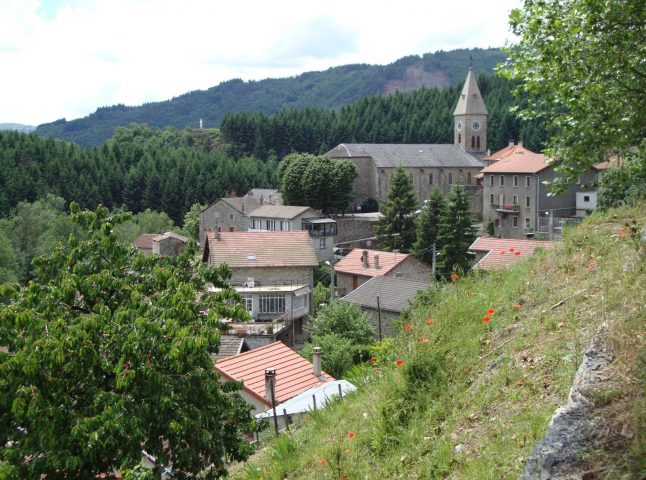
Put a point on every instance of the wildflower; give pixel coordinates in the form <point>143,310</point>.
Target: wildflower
<point>486,319</point>
<point>517,306</point>
<point>423,339</point>
<point>322,462</point>
<point>373,359</point>
<point>408,326</point>
<point>502,252</point>
<point>622,232</point>
<point>518,254</point>
<point>490,311</point>
<point>454,276</point>
<point>399,363</point>
<point>511,249</point>
<point>351,435</point>
<point>429,320</point>
<point>591,265</point>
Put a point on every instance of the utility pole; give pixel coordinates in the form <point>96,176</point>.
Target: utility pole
<point>379,316</point>
<point>433,262</point>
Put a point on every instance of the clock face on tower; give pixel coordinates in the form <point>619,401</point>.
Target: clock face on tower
<point>459,126</point>
<point>476,126</point>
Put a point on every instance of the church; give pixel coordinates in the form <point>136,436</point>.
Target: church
<point>430,166</point>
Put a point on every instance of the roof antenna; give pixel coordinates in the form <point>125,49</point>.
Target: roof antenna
<point>470,61</point>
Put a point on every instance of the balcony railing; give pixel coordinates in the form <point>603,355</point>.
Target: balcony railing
<point>507,208</point>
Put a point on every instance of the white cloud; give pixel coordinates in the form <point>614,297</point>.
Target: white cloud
<point>65,58</point>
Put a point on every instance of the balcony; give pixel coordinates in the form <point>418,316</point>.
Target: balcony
<point>320,227</point>
<point>507,208</point>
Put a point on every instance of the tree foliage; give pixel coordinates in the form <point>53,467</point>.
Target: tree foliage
<point>396,228</point>
<point>456,234</point>
<point>107,352</point>
<point>625,184</point>
<point>428,226</point>
<point>581,63</point>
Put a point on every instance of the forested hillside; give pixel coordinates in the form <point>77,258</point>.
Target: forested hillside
<point>330,89</point>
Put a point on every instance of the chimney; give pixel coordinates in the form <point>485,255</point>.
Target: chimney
<point>520,144</point>
<point>316,361</point>
<point>377,261</point>
<point>511,142</point>
<point>270,385</point>
<point>364,259</point>
<point>218,231</point>
<point>262,199</point>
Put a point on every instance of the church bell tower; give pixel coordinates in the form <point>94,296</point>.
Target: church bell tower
<point>470,118</point>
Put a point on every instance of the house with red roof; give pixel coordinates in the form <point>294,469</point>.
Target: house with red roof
<point>292,374</point>
<point>494,253</point>
<point>359,266</point>
<point>517,197</point>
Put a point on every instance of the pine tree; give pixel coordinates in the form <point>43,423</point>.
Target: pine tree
<point>428,226</point>
<point>456,233</point>
<point>396,229</point>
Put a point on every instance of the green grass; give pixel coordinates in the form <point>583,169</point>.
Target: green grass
<point>488,389</point>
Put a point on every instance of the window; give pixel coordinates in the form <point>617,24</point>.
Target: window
<point>231,228</point>
<point>502,180</point>
<point>527,202</point>
<point>430,179</point>
<point>468,178</point>
<point>527,224</point>
<point>515,222</point>
<point>586,198</point>
<point>272,303</point>
<point>450,178</point>
<point>478,142</point>
<point>473,142</point>
<point>248,303</point>
<point>515,180</point>
<point>231,216</point>
<point>284,225</point>
<point>459,138</point>
<point>491,198</point>
<point>322,242</point>
<point>299,302</point>
<point>271,224</point>
<point>515,199</point>
<point>528,181</point>
<point>256,223</point>
<point>491,180</point>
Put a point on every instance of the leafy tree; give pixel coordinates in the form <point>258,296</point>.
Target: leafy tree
<point>147,221</point>
<point>320,295</point>
<point>337,351</point>
<point>456,233</point>
<point>582,64</point>
<point>316,183</point>
<point>396,229</point>
<point>107,352</point>
<point>291,175</point>
<point>192,221</point>
<point>625,184</point>
<point>8,262</point>
<point>343,175</point>
<point>428,226</point>
<point>345,319</point>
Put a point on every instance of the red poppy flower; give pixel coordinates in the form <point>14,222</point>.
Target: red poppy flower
<point>490,311</point>
<point>454,276</point>
<point>322,462</point>
<point>622,232</point>
<point>511,249</point>
<point>429,320</point>
<point>591,265</point>
<point>351,435</point>
<point>486,319</point>
<point>518,254</point>
<point>399,363</point>
<point>423,339</point>
<point>517,306</point>
<point>373,359</point>
<point>502,252</point>
<point>408,326</point>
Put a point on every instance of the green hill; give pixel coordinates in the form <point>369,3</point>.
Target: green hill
<point>332,88</point>
<point>459,398</point>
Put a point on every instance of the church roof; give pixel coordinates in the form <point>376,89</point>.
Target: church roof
<point>470,101</point>
<point>408,155</point>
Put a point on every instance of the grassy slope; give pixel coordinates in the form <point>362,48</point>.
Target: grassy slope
<point>491,388</point>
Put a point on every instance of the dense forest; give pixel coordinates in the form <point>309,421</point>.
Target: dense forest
<point>421,116</point>
<point>329,89</point>
<point>169,170</point>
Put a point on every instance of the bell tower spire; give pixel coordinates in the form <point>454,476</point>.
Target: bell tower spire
<point>470,118</point>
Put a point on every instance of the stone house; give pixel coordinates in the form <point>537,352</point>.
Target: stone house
<point>228,214</point>
<point>272,271</point>
<point>168,243</point>
<point>430,166</point>
<point>384,298</point>
<point>359,266</point>
<point>292,218</point>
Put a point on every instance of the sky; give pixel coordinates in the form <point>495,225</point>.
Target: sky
<point>66,58</point>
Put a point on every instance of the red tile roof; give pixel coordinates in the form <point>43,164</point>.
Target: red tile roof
<point>520,160</point>
<point>353,264</point>
<point>261,249</point>
<point>294,374</point>
<point>503,251</point>
<point>507,151</point>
